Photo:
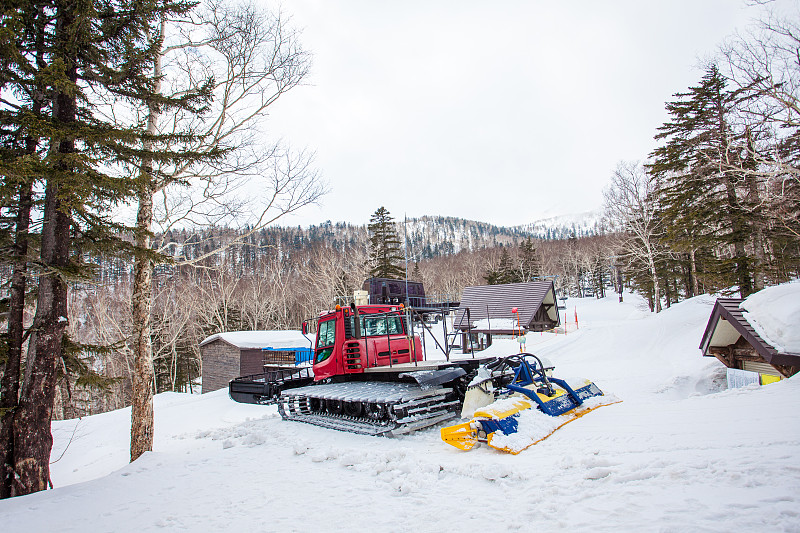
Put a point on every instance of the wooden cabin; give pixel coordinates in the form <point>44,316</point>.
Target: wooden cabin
<point>732,339</point>
<point>486,310</point>
<point>240,353</point>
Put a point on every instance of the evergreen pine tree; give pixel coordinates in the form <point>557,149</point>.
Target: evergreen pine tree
<point>529,261</point>
<point>385,255</point>
<point>20,167</point>
<point>76,54</point>
<point>699,193</point>
<point>492,277</point>
<point>505,272</point>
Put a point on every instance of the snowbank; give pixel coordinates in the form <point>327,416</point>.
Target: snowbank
<point>678,454</point>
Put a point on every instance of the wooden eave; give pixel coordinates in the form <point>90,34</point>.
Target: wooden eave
<point>727,314</point>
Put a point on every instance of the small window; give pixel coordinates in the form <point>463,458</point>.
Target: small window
<point>326,338</point>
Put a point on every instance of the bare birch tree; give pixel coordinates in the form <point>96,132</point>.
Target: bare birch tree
<point>630,208</point>
<point>246,59</point>
<point>765,63</point>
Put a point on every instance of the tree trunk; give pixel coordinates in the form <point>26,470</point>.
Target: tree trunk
<point>9,387</point>
<point>32,438</point>
<point>667,292</point>
<point>143,374</point>
<point>693,272</point>
<point>755,209</point>
<point>757,232</point>
<point>142,298</point>
<point>738,229</point>
<point>654,273</point>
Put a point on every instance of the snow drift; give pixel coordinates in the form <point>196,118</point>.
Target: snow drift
<point>680,453</point>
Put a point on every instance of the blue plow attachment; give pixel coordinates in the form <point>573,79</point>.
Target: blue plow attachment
<point>528,409</point>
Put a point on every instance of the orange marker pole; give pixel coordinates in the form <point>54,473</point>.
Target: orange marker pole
<point>515,312</point>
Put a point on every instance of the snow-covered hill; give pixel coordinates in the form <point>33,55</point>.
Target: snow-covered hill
<point>680,453</point>
<point>438,235</point>
<point>565,226</point>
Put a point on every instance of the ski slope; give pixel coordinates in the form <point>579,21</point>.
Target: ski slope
<point>680,453</point>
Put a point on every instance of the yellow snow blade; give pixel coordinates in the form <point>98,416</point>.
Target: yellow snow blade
<point>465,436</point>
<point>504,409</point>
<point>462,436</point>
<point>566,417</point>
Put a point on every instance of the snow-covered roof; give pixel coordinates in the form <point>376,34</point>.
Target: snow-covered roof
<point>496,324</point>
<point>261,339</point>
<point>774,313</point>
<point>766,320</point>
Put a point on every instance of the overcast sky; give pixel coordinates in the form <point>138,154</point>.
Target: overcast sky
<point>503,112</point>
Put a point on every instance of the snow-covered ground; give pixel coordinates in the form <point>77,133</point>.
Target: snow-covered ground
<point>680,453</point>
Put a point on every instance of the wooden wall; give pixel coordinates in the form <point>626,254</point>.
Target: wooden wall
<point>252,362</point>
<point>221,363</point>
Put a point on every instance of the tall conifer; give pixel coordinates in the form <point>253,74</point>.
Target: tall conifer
<point>528,260</point>
<point>506,271</point>
<point>699,195</point>
<point>386,257</point>
<point>20,164</point>
<point>80,56</point>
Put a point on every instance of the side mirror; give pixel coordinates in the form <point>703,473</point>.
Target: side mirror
<point>304,327</point>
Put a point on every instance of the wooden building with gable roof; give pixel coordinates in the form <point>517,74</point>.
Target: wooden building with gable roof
<point>239,353</point>
<point>486,310</point>
<point>732,339</point>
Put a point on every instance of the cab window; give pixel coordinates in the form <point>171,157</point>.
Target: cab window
<point>326,338</point>
<point>382,325</point>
